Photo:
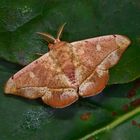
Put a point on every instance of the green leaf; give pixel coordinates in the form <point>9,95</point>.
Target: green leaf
<point>20,20</point>
<point>104,116</point>
<point>114,114</point>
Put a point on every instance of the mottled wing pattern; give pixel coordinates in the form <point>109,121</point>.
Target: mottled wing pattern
<point>69,70</point>
<point>93,59</point>
<point>47,78</point>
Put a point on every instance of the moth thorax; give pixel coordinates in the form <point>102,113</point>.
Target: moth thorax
<point>57,45</point>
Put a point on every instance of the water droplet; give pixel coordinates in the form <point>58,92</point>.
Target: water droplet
<point>33,119</point>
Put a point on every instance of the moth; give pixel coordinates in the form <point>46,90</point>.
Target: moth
<point>68,70</point>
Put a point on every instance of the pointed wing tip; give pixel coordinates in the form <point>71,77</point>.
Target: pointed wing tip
<point>10,87</point>
<point>122,41</point>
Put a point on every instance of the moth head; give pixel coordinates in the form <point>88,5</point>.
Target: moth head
<point>50,39</point>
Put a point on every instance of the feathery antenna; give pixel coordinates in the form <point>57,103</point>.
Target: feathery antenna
<point>60,30</point>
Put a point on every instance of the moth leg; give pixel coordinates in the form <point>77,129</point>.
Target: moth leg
<point>94,84</point>
<point>60,98</point>
<point>39,54</point>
